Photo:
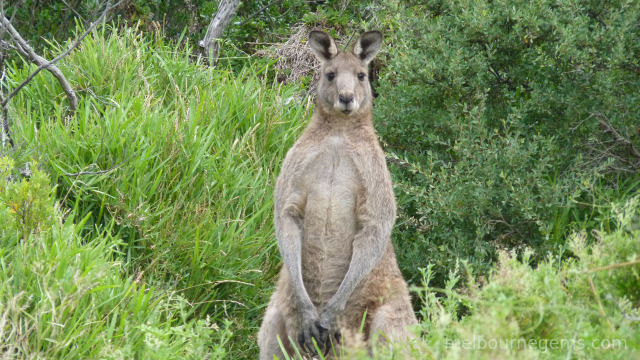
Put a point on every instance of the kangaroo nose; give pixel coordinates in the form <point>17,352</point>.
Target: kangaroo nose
<point>345,99</point>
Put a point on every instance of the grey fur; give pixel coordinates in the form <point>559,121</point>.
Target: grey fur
<point>334,212</point>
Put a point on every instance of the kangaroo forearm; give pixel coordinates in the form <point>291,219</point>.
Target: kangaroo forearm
<point>293,267</point>
<point>289,241</point>
<point>368,247</point>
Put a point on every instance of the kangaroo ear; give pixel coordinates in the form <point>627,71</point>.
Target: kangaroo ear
<point>368,45</point>
<point>322,45</point>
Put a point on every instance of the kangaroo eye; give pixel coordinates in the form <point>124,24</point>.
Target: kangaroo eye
<point>361,76</point>
<point>330,76</point>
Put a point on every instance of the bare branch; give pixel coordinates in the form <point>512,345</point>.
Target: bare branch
<point>24,49</point>
<point>4,46</point>
<point>6,135</point>
<point>100,172</point>
<point>613,266</point>
<point>226,11</point>
<point>608,128</point>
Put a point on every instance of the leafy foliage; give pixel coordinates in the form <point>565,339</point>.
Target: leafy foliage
<point>28,202</point>
<point>581,307</point>
<point>500,117</point>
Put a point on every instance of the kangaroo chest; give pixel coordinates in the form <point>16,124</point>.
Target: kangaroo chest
<point>332,183</point>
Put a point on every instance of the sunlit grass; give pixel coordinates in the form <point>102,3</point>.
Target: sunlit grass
<point>192,154</point>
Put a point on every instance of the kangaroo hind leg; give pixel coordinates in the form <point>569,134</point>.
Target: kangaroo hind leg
<point>273,326</point>
<point>391,322</point>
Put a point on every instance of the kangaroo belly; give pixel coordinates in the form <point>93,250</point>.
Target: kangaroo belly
<point>330,222</point>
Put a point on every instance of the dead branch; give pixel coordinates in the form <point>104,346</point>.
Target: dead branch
<point>6,135</point>
<point>612,266</point>
<point>210,45</point>
<point>22,47</point>
<point>25,50</point>
<point>607,128</point>
<point>258,12</point>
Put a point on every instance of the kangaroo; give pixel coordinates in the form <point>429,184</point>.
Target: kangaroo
<point>334,212</point>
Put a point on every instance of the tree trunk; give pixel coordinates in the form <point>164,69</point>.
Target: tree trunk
<point>210,45</point>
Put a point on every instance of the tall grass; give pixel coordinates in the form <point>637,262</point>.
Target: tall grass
<point>65,296</point>
<point>191,154</point>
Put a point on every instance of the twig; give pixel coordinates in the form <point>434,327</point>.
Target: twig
<point>258,12</point>
<point>219,301</point>
<point>24,49</point>
<point>613,266</point>
<point>100,172</point>
<point>593,288</point>
<point>608,128</point>
<point>74,11</point>
<point>346,45</point>
<point>214,283</point>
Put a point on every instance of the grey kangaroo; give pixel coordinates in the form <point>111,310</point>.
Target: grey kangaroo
<point>334,212</point>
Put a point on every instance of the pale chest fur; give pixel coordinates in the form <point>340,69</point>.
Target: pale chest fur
<point>330,182</point>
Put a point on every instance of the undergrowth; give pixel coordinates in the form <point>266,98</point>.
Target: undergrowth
<point>584,307</point>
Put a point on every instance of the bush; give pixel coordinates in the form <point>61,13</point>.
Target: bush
<point>28,202</point>
<point>501,119</point>
<point>585,307</point>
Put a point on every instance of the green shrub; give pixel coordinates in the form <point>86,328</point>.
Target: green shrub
<point>584,307</point>
<point>499,120</point>
<point>27,201</point>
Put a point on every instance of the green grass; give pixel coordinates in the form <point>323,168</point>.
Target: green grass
<point>65,296</point>
<point>193,153</point>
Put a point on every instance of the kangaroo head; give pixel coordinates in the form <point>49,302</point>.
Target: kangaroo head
<point>344,86</point>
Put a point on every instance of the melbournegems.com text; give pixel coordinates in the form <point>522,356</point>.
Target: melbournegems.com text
<point>480,343</point>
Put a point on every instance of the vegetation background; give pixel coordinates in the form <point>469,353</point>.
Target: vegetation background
<point>141,226</point>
